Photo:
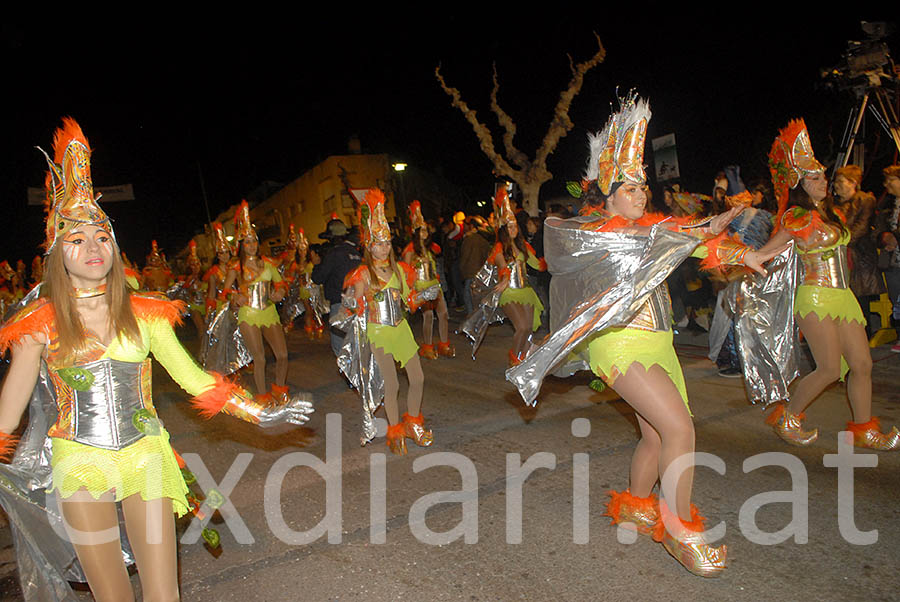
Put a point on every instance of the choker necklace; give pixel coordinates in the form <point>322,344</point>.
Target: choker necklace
<point>381,263</point>
<point>87,293</point>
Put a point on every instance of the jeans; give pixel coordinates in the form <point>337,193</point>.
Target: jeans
<point>337,336</point>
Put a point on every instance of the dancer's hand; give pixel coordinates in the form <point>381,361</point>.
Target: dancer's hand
<point>755,259</point>
<point>295,410</point>
<point>431,293</point>
<point>721,221</point>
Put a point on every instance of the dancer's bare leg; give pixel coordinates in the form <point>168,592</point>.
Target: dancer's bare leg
<point>385,363</point>
<point>151,533</point>
<point>253,339</point>
<point>274,335</point>
<point>442,316</point>
<point>93,528</point>
<point>199,324</point>
<point>855,349</point>
<point>655,398</point>
<point>645,460</point>
<point>521,317</point>
<point>416,386</point>
<point>428,326</point>
<point>823,338</point>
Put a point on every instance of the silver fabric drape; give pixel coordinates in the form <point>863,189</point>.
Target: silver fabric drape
<point>600,279</point>
<point>222,347</point>
<point>358,364</point>
<point>293,306</point>
<point>486,302</point>
<point>46,561</point>
<point>766,333</point>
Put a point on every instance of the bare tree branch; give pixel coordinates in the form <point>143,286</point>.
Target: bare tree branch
<point>509,126</point>
<point>485,139</point>
<point>561,125</point>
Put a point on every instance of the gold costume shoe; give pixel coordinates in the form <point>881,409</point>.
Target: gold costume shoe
<point>414,428</point>
<point>444,348</point>
<point>642,512</point>
<point>788,426</point>
<point>279,394</point>
<point>687,543</point>
<point>396,440</point>
<point>869,435</point>
<point>428,352</point>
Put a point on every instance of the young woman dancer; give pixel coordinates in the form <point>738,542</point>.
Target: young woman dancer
<point>95,336</point>
<point>419,254</point>
<point>826,310</point>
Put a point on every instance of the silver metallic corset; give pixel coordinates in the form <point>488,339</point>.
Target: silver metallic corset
<point>827,268</point>
<point>424,270</point>
<point>258,295</point>
<point>107,397</point>
<point>517,278</point>
<point>386,307</point>
<point>656,312</point>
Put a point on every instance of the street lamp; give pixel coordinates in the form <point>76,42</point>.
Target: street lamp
<point>401,208</point>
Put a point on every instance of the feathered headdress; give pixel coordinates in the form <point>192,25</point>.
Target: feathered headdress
<point>302,242</point>
<point>790,160</point>
<point>503,210</point>
<point>219,240</point>
<point>243,227</point>
<point>372,222</point>
<point>415,216</point>
<point>154,258</point>
<point>192,260</point>
<point>70,193</point>
<point>617,151</point>
<point>291,242</point>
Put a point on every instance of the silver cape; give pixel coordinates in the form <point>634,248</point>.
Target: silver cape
<point>293,306</point>
<point>766,334</point>
<point>600,279</point>
<point>486,301</point>
<point>357,363</point>
<point>222,347</point>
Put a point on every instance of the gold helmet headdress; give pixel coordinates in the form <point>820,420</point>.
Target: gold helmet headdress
<point>154,258</point>
<point>219,241</point>
<point>503,210</point>
<point>791,159</point>
<point>372,221</point>
<point>292,240</point>
<point>192,260</point>
<point>302,243</point>
<point>617,151</point>
<point>70,193</point>
<point>243,227</point>
<point>416,220</point>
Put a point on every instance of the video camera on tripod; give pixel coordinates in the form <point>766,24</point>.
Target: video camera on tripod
<point>867,69</point>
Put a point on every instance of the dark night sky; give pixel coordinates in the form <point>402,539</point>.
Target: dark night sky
<point>265,98</point>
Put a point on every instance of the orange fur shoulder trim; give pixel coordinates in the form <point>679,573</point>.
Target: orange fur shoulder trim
<point>150,306</point>
<point>37,316</point>
<point>354,276</point>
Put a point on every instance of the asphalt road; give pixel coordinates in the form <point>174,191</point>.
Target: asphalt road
<point>464,541</point>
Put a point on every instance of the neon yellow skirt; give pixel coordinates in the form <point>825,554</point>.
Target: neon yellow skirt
<point>524,296</point>
<point>835,303</point>
<point>613,351</point>
<point>396,340</point>
<point>421,285</point>
<point>258,317</point>
<point>199,309</point>
<point>147,466</point>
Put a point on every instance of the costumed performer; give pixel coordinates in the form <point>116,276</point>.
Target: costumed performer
<point>377,290</point>
<point>510,255</point>
<point>420,254</point>
<point>90,337</point>
<point>156,274</point>
<point>825,308</point>
<point>259,286</point>
<point>194,287</point>
<point>618,258</point>
<point>304,296</point>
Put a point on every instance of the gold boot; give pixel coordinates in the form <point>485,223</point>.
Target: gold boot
<point>444,348</point>
<point>279,394</point>
<point>788,426</point>
<point>687,543</point>
<point>642,512</point>
<point>396,440</point>
<point>868,434</point>
<point>428,352</point>
<point>414,428</point>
